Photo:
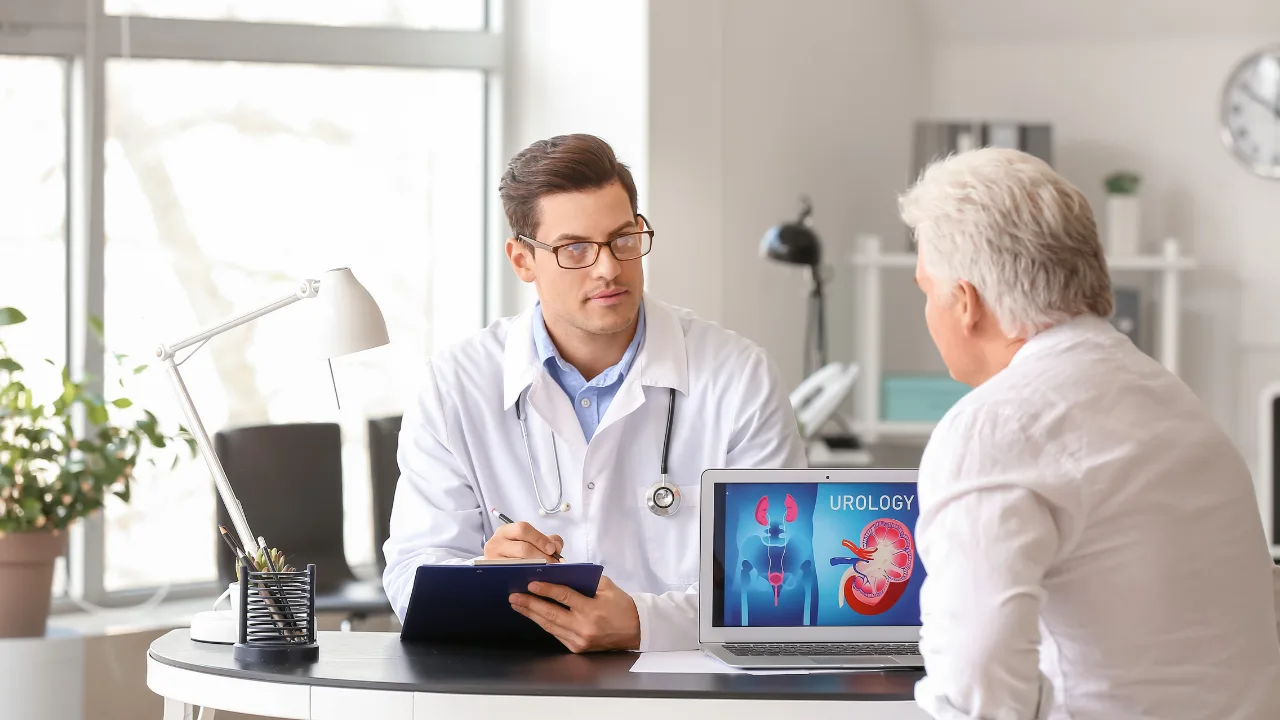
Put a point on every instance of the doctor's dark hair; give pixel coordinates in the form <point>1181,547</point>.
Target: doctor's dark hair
<point>562,164</point>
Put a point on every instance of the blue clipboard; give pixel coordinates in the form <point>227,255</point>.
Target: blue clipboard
<point>468,605</point>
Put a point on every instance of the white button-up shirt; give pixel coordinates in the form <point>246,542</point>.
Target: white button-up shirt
<point>462,453</point>
<point>1093,545</point>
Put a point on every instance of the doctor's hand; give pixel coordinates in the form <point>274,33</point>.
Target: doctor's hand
<point>522,540</point>
<point>609,621</point>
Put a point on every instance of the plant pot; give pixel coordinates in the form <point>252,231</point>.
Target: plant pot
<point>26,580</point>
<point>1124,225</point>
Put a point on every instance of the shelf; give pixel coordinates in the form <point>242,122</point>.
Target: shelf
<point>1154,263</point>
<point>897,429</point>
<point>1139,263</point>
<point>893,260</point>
<point>1167,267</point>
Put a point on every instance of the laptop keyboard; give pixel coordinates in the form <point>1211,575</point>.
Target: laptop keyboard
<point>820,649</point>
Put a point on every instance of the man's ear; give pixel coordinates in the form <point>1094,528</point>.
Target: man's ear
<point>521,257</point>
<point>971,308</point>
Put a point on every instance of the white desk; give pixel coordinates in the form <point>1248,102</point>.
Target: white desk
<point>372,675</point>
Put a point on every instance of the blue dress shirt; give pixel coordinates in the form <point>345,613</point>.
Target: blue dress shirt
<point>590,399</point>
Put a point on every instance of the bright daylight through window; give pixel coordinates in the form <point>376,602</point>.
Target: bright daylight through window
<point>33,218</point>
<point>228,182</point>
<point>420,14</point>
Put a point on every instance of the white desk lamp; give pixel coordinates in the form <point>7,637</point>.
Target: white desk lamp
<point>347,320</point>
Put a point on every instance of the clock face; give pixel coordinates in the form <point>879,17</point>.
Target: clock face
<point>1251,113</point>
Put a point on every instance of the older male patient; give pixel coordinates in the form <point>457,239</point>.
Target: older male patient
<point>1092,537</point>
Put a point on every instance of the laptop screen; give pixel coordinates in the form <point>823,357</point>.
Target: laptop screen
<point>819,554</point>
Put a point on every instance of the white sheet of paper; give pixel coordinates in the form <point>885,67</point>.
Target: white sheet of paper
<point>683,661</point>
<point>696,661</point>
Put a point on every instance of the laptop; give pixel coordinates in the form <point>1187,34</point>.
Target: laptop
<point>810,568</point>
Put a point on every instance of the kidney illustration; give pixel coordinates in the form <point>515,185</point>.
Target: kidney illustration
<point>879,569</point>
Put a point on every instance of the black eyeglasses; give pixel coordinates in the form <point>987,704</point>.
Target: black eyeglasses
<point>584,253</point>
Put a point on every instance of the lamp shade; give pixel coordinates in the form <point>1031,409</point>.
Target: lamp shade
<point>793,242</point>
<point>345,317</point>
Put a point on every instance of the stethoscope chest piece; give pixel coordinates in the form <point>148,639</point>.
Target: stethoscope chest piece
<point>663,499</point>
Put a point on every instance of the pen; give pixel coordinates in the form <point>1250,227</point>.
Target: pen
<point>507,521</point>
<point>266,556</point>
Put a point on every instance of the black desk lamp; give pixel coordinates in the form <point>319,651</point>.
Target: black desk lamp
<point>796,243</point>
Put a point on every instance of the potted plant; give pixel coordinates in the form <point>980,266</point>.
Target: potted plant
<point>1124,216</point>
<point>52,473</point>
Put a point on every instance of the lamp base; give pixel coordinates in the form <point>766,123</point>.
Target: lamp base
<point>212,626</point>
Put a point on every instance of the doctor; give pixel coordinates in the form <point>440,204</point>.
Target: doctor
<point>587,419</point>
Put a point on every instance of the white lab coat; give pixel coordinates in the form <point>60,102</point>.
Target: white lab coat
<point>1093,547</point>
<point>461,454</point>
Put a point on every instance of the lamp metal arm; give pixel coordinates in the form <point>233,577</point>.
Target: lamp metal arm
<point>306,289</point>
<point>166,353</point>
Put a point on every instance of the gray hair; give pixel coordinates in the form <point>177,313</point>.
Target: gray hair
<point>1023,236</point>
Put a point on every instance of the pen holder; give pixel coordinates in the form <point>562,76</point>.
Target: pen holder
<point>278,622</point>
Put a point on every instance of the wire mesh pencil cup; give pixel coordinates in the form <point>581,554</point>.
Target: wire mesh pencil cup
<point>278,624</point>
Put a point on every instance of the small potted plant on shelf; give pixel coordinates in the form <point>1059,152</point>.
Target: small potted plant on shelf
<point>54,471</point>
<point>1124,216</point>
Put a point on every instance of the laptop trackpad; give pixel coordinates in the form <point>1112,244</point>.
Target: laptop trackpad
<point>855,660</point>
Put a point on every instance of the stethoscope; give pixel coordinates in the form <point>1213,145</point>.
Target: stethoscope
<point>663,497</point>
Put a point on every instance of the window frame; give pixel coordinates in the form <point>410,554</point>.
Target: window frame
<point>81,34</point>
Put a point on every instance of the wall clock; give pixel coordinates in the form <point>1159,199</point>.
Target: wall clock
<point>1251,112</point>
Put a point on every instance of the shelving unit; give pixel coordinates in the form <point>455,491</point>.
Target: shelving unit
<point>870,263</point>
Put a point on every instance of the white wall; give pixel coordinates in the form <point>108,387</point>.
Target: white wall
<point>1147,98</point>
<point>686,153</point>
<point>573,66</point>
<point>752,103</point>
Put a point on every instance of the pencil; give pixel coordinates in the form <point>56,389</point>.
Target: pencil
<point>235,549</point>
<point>288,606</point>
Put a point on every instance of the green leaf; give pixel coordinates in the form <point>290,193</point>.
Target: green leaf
<point>95,324</point>
<point>11,316</point>
<point>68,393</point>
<point>174,465</point>
<point>51,362</point>
<point>97,414</point>
<point>140,369</point>
<point>122,403</point>
<point>10,364</point>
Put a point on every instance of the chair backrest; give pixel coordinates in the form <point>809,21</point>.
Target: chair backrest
<point>289,481</point>
<point>384,472</point>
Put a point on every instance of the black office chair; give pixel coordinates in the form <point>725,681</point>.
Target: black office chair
<point>384,472</point>
<point>289,481</point>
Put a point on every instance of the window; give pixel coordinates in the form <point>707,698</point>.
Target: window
<point>422,14</point>
<point>33,217</point>
<point>246,144</point>
<point>33,210</point>
<point>228,182</point>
